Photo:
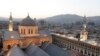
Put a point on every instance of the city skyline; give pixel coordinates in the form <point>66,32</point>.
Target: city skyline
<point>47,8</point>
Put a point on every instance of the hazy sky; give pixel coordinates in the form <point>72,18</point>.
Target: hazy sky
<point>46,8</point>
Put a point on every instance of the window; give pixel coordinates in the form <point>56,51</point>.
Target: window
<point>8,46</point>
<point>31,31</point>
<point>24,31</point>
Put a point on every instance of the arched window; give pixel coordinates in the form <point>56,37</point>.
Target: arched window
<point>18,45</point>
<point>8,46</point>
<point>23,31</point>
<point>31,31</point>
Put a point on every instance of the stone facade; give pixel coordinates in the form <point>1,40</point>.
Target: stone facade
<point>28,30</point>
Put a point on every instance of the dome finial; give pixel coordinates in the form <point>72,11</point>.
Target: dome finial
<point>28,15</point>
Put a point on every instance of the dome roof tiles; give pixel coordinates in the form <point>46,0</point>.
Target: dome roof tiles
<point>28,22</point>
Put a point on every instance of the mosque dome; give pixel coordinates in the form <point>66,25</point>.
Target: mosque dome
<point>11,35</point>
<point>28,22</point>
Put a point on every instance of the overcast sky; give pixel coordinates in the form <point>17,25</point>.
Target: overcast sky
<point>47,8</point>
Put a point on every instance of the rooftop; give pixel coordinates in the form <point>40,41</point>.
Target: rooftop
<point>33,50</point>
<point>28,22</point>
<point>89,41</point>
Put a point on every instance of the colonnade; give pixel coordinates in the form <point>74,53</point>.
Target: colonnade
<point>77,46</point>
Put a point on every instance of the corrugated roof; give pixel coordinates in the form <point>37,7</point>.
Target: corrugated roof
<point>16,51</point>
<point>54,50</point>
<point>33,50</point>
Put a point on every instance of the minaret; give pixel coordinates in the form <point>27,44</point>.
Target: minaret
<point>84,23</point>
<point>84,33</point>
<point>10,23</point>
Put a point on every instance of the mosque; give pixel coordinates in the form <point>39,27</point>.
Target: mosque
<point>27,33</point>
<point>27,40</point>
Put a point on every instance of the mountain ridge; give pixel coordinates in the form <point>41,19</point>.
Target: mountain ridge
<point>63,18</point>
<point>71,18</point>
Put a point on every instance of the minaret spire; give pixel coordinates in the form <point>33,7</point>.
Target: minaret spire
<point>84,32</point>
<point>10,16</point>
<point>10,22</point>
<point>84,23</point>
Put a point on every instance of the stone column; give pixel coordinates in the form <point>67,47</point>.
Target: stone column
<point>83,51</point>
